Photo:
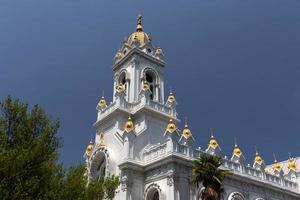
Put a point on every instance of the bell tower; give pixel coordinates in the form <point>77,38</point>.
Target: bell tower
<point>139,64</point>
<point>138,119</point>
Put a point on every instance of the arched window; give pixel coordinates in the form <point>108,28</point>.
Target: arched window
<point>236,196</point>
<point>98,165</point>
<point>150,77</point>
<point>153,194</point>
<point>122,78</point>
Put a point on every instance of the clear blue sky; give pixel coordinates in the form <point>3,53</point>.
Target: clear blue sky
<point>234,65</point>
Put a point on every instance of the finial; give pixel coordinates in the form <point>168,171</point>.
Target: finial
<point>235,143</point>
<point>185,122</point>
<point>139,23</point>
<point>274,156</point>
<point>256,150</point>
<point>211,132</point>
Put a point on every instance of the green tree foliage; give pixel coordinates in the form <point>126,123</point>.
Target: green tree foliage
<point>28,153</point>
<point>28,160</point>
<point>206,170</point>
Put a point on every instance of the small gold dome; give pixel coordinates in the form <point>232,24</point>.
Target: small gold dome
<point>276,165</point>
<point>102,102</point>
<point>120,88</point>
<point>291,165</point>
<point>129,126</point>
<point>118,55</point>
<point>89,149</point>
<point>237,151</point>
<point>186,132</point>
<point>171,127</point>
<point>171,97</point>
<point>158,51</point>
<point>139,35</point>
<point>213,142</point>
<point>258,159</point>
<point>145,86</point>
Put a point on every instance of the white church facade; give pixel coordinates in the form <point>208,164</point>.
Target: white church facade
<point>137,138</point>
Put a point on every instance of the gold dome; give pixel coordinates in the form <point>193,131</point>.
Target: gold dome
<point>89,149</point>
<point>171,127</point>
<point>237,151</point>
<point>120,88</point>
<point>213,142</point>
<point>145,86</point>
<point>102,102</point>
<point>139,35</point>
<point>171,97</point>
<point>291,165</point>
<point>186,132</point>
<point>129,126</point>
<point>276,165</point>
<point>258,159</point>
<point>158,51</point>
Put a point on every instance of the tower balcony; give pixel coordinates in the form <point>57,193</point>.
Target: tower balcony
<point>132,108</point>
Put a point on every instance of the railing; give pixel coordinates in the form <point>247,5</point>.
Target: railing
<point>260,175</point>
<point>135,106</point>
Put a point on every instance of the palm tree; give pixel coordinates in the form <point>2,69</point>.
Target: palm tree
<point>206,170</point>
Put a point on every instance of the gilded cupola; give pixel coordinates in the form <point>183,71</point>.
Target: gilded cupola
<point>171,98</point>
<point>171,126</point>
<point>291,164</point>
<point>213,147</point>
<point>186,132</point>
<point>102,103</point>
<point>158,51</point>
<point>120,88</point>
<point>89,148</point>
<point>139,35</point>
<point>145,86</point>
<point>213,142</point>
<point>129,126</point>
<point>237,151</point>
<point>258,159</point>
<point>276,165</point>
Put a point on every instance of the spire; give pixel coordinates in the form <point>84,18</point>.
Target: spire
<point>171,97</point>
<point>291,165</point>
<point>139,23</point>
<point>276,165</point>
<point>212,142</point>
<point>257,159</point>
<point>171,127</point>
<point>186,132</point>
<point>102,102</point>
<point>89,148</point>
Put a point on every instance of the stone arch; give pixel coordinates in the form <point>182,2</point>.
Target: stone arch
<point>153,192</point>
<point>123,77</point>
<point>100,163</point>
<point>236,196</point>
<point>151,76</point>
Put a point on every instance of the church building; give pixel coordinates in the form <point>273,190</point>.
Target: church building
<point>138,139</point>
